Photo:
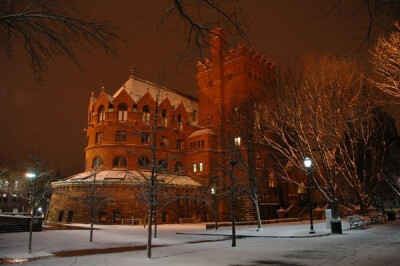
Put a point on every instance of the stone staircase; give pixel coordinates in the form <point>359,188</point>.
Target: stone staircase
<point>245,209</point>
<point>11,228</point>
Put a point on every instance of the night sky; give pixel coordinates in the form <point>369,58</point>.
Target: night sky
<point>53,115</point>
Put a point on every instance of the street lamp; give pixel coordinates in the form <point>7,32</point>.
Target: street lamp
<point>308,164</point>
<point>32,177</point>
<point>215,204</point>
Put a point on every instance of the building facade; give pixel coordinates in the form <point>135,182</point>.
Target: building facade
<point>143,122</point>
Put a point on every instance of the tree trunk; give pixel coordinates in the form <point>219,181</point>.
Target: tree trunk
<point>216,213</point>
<point>259,226</point>
<point>155,224</point>
<point>149,228</point>
<point>335,210</point>
<point>31,228</point>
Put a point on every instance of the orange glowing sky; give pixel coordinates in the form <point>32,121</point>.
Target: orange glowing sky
<point>54,115</point>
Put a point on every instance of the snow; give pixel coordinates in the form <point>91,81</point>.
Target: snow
<point>128,176</point>
<point>275,244</point>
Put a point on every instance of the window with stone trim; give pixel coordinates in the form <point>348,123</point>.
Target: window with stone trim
<point>145,138</point>
<point>194,168</point>
<point>101,114</point>
<point>99,137</point>
<point>120,136</point>
<point>164,141</point>
<point>120,161</point>
<point>237,141</point>
<point>143,162</point>
<point>178,167</point>
<point>97,162</point>
<point>259,162</point>
<point>122,112</point>
<point>179,144</point>
<point>146,114</point>
<point>180,123</point>
<point>164,118</point>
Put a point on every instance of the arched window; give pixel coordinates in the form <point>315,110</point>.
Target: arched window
<point>134,107</point>
<point>163,165</point>
<point>97,162</point>
<point>144,162</point>
<point>259,162</point>
<point>119,161</point>
<point>271,180</point>
<point>146,114</point>
<point>101,115</point>
<point>122,112</point>
<point>178,167</point>
<point>180,123</point>
<point>164,119</point>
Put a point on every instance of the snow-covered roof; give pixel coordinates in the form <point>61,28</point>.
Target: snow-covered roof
<point>137,88</point>
<point>128,176</point>
<point>205,131</point>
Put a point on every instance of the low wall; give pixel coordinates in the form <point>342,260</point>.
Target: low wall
<point>24,221</point>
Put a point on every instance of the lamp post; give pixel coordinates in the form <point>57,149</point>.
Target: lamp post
<point>233,211</point>
<point>308,164</point>
<point>32,177</point>
<point>215,205</point>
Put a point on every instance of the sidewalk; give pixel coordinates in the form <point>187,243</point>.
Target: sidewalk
<point>14,245</point>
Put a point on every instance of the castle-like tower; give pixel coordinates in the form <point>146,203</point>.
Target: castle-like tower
<point>120,135</point>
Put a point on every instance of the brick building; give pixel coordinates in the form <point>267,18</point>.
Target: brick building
<point>188,146</point>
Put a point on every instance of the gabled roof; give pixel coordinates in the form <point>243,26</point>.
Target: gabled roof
<point>137,88</point>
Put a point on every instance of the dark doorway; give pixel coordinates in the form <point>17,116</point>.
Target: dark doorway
<point>69,217</point>
<point>60,216</point>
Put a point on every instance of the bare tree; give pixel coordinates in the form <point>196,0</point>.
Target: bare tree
<point>369,17</point>
<point>314,99</point>
<point>46,29</point>
<point>40,186</point>
<point>363,148</point>
<point>94,199</point>
<point>386,64</point>
<point>199,18</point>
<point>243,131</point>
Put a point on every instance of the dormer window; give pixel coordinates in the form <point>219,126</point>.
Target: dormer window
<point>180,123</point>
<point>122,112</point>
<point>164,119</point>
<point>101,115</point>
<point>146,114</point>
<point>135,107</point>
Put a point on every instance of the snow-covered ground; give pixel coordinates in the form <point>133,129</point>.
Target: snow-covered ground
<point>276,244</point>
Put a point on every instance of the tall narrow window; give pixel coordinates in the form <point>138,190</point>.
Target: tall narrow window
<point>101,115</point>
<point>178,167</point>
<point>146,114</point>
<point>164,119</point>
<point>194,168</point>
<point>259,162</point>
<point>163,165</point>
<point>99,137</point>
<point>271,180</point>
<point>180,123</point>
<point>179,144</point>
<point>144,162</point>
<point>200,167</point>
<point>119,161</point>
<point>97,162</point>
<point>237,141</point>
<point>122,112</point>
<point>120,136</point>
<point>164,141</point>
<point>145,138</point>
